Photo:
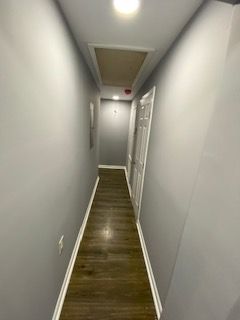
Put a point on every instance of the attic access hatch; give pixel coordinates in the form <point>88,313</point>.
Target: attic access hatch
<point>119,67</point>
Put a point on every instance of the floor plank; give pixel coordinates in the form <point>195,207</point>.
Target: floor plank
<point>109,280</point>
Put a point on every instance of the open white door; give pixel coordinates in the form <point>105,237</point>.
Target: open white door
<point>131,140</point>
<point>144,119</point>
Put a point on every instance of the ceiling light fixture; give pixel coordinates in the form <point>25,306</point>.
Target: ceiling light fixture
<point>126,6</point>
<point>115,97</point>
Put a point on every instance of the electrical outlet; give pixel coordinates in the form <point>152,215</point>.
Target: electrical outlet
<point>60,245</point>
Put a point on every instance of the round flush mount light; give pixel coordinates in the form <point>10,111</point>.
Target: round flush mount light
<point>115,97</point>
<point>126,7</point>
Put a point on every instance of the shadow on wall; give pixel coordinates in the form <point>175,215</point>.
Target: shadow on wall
<point>235,311</point>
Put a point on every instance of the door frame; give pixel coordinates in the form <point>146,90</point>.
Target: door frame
<point>150,95</point>
<point>130,148</point>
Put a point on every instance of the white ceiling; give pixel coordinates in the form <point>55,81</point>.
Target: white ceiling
<point>155,26</point>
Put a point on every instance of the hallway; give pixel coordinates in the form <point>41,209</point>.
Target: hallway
<point>109,280</point>
<point>148,91</point>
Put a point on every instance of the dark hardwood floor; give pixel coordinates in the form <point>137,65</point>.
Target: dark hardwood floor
<point>109,280</point>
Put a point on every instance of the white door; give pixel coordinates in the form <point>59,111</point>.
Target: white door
<point>144,120</point>
<point>131,140</point>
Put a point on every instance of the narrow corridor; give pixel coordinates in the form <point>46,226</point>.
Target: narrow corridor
<point>109,280</point>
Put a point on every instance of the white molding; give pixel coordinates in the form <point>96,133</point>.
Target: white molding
<point>103,166</point>
<point>156,297</point>
<point>61,297</point>
<point>143,70</point>
<point>149,95</point>
<point>128,184</point>
<point>131,130</point>
<point>151,52</point>
<point>120,47</point>
<point>91,48</point>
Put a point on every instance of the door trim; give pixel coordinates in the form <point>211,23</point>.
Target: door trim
<point>150,94</point>
<point>145,97</point>
<point>131,133</point>
<point>128,184</point>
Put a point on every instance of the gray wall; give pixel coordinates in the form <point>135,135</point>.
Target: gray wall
<point>206,281</point>
<point>47,171</point>
<point>114,126</point>
<point>193,175</point>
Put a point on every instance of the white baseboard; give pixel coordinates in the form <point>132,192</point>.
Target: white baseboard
<point>156,298</point>
<point>68,274</point>
<point>103,166</point>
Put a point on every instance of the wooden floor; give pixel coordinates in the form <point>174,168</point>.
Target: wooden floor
<point>109,280</point>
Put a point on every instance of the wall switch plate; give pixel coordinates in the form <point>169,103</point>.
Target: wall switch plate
<point>60,245</point>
